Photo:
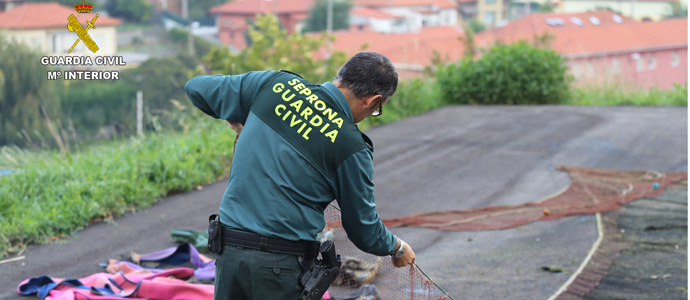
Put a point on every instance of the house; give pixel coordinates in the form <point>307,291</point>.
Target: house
<point>232,17</point>
<point>412,15</point>
<point>10,4</point>
<point>371,19</point>
<point>637,9</point>
<point>43,26</point>
<point>467,10</point>
<point>493,12</point>
<point>410,52</point>
<point>604,47</point>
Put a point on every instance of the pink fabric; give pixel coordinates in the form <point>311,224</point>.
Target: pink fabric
<point>162,288</point>
<point>168,284</point>
<point>75,294</point>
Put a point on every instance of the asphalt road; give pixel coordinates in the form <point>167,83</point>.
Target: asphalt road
<point>454,158</point>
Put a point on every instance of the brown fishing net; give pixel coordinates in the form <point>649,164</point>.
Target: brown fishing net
<point>590,191</point>
<point>369,277</point>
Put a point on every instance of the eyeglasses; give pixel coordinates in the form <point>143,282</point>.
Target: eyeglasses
<point>378,111</point>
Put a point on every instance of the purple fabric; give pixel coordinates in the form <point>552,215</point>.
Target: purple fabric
<point>177,256</point>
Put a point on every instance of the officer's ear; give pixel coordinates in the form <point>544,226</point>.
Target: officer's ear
<point>372,101</point>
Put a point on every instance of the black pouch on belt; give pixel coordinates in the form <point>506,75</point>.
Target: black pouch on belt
<point>320,274</point>
<point>215,236</point>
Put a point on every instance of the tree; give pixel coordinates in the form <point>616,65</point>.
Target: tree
<point>476,25</point>
<point>26,97</point>
<point>678,10</point>
<point>131,10</point>
<point>69,3</point>
<point>471,49</point>
<point>546,7</point>
<point>273,49</point>
<point>317,20</point>
<point>161,80</point>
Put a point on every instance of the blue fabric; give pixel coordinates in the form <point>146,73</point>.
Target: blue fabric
<point>42,285</point>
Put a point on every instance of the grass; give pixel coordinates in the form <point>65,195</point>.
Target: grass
<point>48,198</point>
<point>619,96</point>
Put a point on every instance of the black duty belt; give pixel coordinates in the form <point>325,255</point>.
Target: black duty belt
<point>249,240</point>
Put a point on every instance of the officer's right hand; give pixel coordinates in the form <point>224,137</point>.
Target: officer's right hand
<point>407,258</point>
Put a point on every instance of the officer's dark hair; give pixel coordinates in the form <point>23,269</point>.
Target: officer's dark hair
<point>369,72</point>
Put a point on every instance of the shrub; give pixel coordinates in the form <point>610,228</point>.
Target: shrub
<point>508,74</point>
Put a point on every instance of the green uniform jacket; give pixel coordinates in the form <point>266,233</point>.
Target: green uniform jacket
<point>299,150</point>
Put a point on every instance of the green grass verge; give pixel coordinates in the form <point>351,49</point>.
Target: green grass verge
<point>58,194</point>
<point>616,95</point>
<point>51,195</point>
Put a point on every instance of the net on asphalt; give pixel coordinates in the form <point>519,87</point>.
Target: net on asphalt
<point>590,191</point>
<point>369,277</point>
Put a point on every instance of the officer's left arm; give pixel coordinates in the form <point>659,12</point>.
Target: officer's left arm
<point>355,195</point>
<point>227,97</point>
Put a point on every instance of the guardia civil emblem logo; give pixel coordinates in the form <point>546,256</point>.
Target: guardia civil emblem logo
<point>75,26</point>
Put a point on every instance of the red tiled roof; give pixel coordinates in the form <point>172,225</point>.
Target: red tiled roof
<point>540,21</point>
<point>370,13</point>
<point>386,3</point>
<point>407,48</point>
<point>585,41</point>
<point>253,7</point>
<point>47,15</point>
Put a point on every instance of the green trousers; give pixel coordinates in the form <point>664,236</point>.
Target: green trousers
<point>246,274</point>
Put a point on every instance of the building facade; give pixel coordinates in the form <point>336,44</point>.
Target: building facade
<point>602,47</point>
<point>232,18</point>
<point>43,26</point>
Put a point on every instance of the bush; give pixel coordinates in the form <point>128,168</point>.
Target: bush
<point>508,74</point>
<point>91,105</point>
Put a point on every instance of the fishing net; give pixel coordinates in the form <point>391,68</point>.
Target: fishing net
<point>369,277</point>
<point>366,276</point>
<point>590,191</point>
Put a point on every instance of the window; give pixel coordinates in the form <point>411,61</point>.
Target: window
<point>61,42</point>
<point>675,60</point>
<point>489,1</point>
<point>640,64</point>
<point>489,18</point>
<point>652,62</point>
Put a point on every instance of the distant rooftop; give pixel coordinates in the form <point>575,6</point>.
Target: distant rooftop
<point>253,7</point>
<point>594,32</point>
<point>386,3</point>
<point>47,15</point>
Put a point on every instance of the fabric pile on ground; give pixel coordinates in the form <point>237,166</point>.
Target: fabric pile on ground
<point>133,281</point>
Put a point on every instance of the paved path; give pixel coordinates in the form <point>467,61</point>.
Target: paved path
<point>453,158</point>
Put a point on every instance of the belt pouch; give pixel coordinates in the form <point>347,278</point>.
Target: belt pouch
<point>215,242</point>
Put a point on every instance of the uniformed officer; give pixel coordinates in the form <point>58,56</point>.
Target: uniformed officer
<point>299,150</point>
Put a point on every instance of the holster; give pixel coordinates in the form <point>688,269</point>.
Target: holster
<point>318,274</point>
<point>215,235</point>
